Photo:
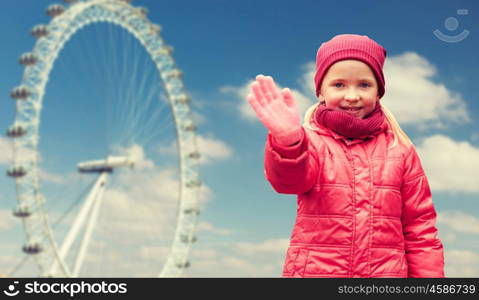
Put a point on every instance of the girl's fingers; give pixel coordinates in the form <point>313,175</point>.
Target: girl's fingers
<point>255,87</point>
<point>258,109</point>
<point>271,86</point>
<point>288,97</point>
<point>264,87</point>
<point>253,102</point>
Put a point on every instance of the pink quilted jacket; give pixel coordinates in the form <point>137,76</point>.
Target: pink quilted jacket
<point>364,210</point>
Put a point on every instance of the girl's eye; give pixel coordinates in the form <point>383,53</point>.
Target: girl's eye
<point>364,84</point>
<point>338,84</point>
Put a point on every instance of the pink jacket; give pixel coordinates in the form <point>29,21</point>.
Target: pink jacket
<point>364,210</point>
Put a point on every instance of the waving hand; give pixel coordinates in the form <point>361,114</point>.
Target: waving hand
<point>276,109</point>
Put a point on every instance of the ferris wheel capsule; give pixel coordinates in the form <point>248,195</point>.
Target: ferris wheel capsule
<point>193,183</point>
<point>183,265</point>
<point>192,211</point>
<point>190,126</point>
<point>22,211</point>
<point>40,31</point>
<point>181,99</point>
<point>55,10</point>
<point>28,59</point>
<point>188,239</point>
<point>16,131</point>
<point>16,171</point>
<point>32,248</point>
<point>165,50</point>
<point>143,10</point>
<point>156,28</point>
<point>174,73</point>
<point>20,93</point>
<point>194,155</point>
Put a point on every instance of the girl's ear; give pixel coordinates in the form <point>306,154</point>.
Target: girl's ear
<point>321,99</point>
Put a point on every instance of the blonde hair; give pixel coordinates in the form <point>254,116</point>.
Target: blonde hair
<point>399,135</point>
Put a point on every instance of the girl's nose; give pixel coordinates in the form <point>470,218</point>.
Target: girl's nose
<point>351,95</point>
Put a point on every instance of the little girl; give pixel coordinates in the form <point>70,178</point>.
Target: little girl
<point>364,203</point>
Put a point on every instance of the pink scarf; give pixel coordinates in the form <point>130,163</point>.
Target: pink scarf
<point>348,125</point>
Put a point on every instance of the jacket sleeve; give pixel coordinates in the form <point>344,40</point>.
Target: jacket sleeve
<point>424,250</point>
<point>291,169</point>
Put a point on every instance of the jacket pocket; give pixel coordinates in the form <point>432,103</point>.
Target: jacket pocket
<point>295,263</point>
<point>328,261</point>
<point>388,262</point>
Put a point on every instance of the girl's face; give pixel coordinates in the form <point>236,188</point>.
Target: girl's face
<point>350,86</point>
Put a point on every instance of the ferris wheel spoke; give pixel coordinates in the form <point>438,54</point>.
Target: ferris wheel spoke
<point>151,127</point>
<point>139,111</point>
<point>128,95</point>
<point>150,139</point>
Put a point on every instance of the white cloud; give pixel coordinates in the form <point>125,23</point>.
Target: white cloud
<point>50,177</point>
<point>206,194</point>
<point>204,254</point>
<point>459,221</point>
<point>210,148</point>
<point>266,247</point>
<point>198,118</point>
<point>146,202</point>
<point>307,80</point>
<point>141,202</point>
<point>461,263</point>
<point>137,153</point>
<point>463,256</point>
<point>6,151</point>
<point>447,236</point>
<point>170,149</point>
<point>11,264</point>
<point>7,221</point>
<point>415,98</point>
<point>238,259</point>
<point>450,165</point>
<point>458,228</point>
<point>210,228</point>
<point>151,252</point>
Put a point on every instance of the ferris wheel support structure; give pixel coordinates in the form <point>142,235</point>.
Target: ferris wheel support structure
<point>93,199</point>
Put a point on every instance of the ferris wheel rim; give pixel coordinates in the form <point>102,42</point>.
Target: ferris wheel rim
<point>120,13</point>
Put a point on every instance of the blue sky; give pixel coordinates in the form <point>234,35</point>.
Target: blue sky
<point>220,46</point>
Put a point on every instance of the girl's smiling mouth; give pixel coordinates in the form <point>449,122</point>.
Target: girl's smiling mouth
<point>353,109</point>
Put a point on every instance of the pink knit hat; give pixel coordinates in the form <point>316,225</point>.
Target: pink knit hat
<point>350,46</point>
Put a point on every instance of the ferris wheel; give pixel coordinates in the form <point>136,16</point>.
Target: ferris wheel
<point>52,256</point>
